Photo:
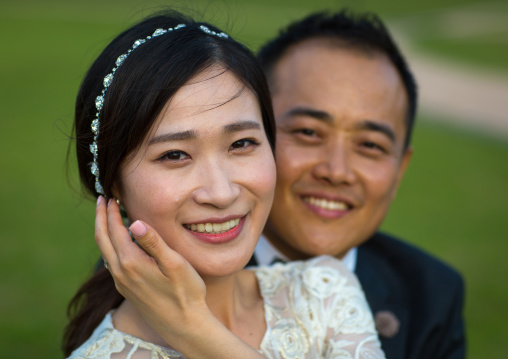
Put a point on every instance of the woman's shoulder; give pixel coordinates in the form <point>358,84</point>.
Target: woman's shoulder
<point>106,341</point>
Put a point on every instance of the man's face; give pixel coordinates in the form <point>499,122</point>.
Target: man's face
<point>340,117</point>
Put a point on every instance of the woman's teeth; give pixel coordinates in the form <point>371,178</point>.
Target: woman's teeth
<point>326,204</point>
<point>214,228</point>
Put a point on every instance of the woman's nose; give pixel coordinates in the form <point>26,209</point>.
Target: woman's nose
<point>217,188</point>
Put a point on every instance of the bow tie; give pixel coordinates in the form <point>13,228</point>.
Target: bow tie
<point>277,260</point>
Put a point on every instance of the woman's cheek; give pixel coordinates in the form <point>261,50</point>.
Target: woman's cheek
<point>265,177</point>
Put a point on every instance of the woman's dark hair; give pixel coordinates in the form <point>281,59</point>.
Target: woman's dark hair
<point>148,78</point>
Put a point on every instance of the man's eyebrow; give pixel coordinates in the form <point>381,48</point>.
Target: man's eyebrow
<point>378,127</point>
<point>176,136</point>
<point>242,125</point>
<point>326,117</point>
<point>310,112</point>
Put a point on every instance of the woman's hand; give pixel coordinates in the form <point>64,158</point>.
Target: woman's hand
<point>159,281</point>
<point>164,287</point>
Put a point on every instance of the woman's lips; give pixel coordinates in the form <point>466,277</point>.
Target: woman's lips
<point>216,233</point>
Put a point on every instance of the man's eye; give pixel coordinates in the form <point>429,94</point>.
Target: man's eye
<point>306,132</point>
<point>243,143</point>
<point>373,146</point>
<point>175,156</point>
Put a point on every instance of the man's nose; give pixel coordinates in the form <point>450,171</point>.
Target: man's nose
<point>335,166</point>
<point>217,187</point>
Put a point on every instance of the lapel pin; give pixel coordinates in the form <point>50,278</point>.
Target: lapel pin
<point>387,323</point>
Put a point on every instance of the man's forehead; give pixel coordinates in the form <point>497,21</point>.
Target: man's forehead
<point>318,70</point>
<point>335,42</point>
<point>329,44</point>
<point>323,59</point>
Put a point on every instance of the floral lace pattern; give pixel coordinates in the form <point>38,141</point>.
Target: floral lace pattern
<point>316,309</point>
<point>108,343</point>
<point>313,309</point>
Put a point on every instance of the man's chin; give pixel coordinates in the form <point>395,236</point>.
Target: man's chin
<point>313,249</point>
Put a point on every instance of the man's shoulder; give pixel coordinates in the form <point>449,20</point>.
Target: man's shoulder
<point>397,255</point>
<point>422,292</point>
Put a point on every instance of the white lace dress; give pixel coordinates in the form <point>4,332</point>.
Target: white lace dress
<point>313,309</point>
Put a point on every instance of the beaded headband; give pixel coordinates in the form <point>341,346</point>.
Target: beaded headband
<point>108,79</point>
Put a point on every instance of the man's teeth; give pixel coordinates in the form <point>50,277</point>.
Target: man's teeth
<point>326,204</point>
<point>214,228</point>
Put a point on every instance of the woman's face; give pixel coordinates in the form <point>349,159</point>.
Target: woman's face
<point>204,177</point>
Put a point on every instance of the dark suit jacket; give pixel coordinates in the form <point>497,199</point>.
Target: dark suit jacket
<point>424,294</point>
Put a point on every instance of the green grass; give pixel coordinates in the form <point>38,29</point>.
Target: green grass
<point>475,34</point>
<point>487,50</point>
<point>451,201</point>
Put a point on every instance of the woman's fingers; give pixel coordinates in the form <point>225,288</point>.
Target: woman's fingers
<point>154,277</point>
<point>154,245</point>
<point>133,262</point>
<point>112,237</point>
<point>118,234</point>
<point>175,286</point>
<point>175,268</point>
<point>154,262</point>
<point>101,232</point>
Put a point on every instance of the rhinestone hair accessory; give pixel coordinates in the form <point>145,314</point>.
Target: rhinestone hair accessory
<point>108,79</point>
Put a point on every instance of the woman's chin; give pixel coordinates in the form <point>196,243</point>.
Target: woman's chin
<point>221,267</point>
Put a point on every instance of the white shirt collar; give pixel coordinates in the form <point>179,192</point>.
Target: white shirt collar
<point>349,259</point>
<point>265,253</point>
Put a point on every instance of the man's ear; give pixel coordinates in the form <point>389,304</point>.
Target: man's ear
<point>406,158</point>
<point>404,162</point>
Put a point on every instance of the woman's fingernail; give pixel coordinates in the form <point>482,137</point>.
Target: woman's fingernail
<point>138,229</point>
<point>110,201</point>
<point>99,200</point>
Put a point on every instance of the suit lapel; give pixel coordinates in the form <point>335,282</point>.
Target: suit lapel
<point>386,299</point>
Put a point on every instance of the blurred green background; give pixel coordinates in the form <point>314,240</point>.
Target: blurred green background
<point>452,201</point>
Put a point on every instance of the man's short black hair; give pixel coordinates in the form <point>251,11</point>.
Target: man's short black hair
<point>364,32</point>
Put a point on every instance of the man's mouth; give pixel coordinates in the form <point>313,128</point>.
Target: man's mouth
<point>213,228</point>
<point>326,203</point>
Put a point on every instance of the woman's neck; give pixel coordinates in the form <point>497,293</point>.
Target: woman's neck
<point>237,303</point>
<point>228,298</point>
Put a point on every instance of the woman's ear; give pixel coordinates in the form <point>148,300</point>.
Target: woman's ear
<point>117,196</point>
<point>116,192</point>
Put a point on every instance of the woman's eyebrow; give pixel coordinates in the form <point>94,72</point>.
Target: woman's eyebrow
<point>177,136</point>
<point>192,134</point>
<point>242,125</point>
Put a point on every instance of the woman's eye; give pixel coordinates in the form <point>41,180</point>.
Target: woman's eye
<point>243,143</point>
<point>175,156</point>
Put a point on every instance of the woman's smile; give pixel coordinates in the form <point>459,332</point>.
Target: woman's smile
<point>217,233</point>
<point>213,227</point>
